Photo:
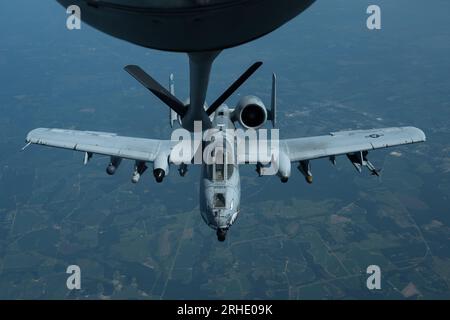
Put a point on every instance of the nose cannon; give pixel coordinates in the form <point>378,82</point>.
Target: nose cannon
<point>221,234</point>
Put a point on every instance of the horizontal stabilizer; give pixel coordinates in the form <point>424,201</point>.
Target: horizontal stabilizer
<point>231,89</point>
<point>157,89</point>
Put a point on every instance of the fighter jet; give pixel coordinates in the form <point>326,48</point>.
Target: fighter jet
<point>202,29</point>
<point>220,194</point>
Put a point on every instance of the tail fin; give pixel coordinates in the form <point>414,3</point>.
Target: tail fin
<point>273,105</point>
<point>173,116</point>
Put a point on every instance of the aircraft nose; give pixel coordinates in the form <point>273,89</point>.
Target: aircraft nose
<point>225,218</point>
<point>222,220</point>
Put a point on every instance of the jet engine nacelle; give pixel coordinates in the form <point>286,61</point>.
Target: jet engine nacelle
<point>250,112</point>
<point>284,167</point>
<point>161,167</point>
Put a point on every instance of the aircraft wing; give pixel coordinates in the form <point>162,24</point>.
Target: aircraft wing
<point>355,144</point>
<point>101,143</point>
<point>345,142</point>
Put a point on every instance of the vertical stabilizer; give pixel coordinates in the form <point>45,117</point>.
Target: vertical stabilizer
<point>273,103</point>
<point>173,116</point>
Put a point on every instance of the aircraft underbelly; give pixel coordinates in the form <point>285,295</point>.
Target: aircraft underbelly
<point>188,26</point>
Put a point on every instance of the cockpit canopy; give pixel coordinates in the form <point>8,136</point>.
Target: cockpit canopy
<point>219,200</point>
<point>222,166</point>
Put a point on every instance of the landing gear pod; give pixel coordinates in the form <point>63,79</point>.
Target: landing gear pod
<point>284,167</point>
<point>161,167</point>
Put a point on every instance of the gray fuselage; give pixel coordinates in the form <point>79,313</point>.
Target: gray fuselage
<point>220,188</point>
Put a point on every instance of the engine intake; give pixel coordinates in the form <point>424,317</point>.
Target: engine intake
<point>250,112</point>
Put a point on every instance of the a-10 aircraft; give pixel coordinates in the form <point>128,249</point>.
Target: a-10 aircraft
<point>220,193</point>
